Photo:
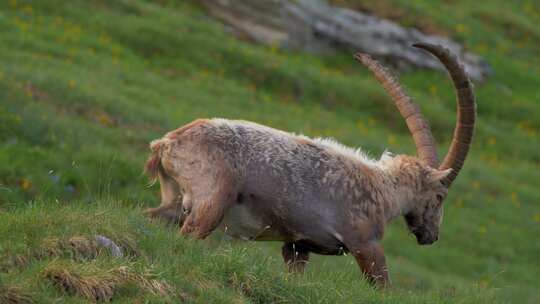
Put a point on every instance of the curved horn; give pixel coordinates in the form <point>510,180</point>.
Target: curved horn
<point>418,126</point>
<point>466,108</point>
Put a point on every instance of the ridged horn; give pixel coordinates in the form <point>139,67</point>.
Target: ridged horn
<point>466,110</point>
<point>418,126</point>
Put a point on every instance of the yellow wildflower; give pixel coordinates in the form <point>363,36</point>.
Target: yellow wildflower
<point>25,183</point>
<point>482,229</point>
<point>461,28</point>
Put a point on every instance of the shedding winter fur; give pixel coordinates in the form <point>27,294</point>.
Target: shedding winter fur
<point>314,195</point>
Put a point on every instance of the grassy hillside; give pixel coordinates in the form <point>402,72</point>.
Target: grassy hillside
<point>85,85</point>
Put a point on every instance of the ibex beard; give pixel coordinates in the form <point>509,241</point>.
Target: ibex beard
<point>314,195</point>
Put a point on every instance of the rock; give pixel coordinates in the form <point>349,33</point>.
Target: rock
<point>315,26</point>
<point>104,241</point>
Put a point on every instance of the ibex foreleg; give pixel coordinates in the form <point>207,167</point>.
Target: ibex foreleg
<point>295,257</point>
<point>370,258</point>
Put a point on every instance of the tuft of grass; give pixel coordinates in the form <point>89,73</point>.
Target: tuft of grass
<point>97,284</point>
<point>83,247</point>
<point>14,294</point>
<point>85,280</point>
<point>77,248</point>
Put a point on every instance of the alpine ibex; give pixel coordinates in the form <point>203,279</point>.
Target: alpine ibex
<point>315,195</point>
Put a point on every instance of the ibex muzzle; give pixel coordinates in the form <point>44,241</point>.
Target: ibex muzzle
<point>315,195</point>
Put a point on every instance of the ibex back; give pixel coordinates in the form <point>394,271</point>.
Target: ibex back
<point>315,195</point>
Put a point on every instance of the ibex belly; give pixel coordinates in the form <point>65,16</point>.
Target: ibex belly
<point>255,220</point>
<point>240,222</point>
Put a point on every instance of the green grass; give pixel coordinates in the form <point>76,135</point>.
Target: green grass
<point>85,86</point>
<point>214,271</point>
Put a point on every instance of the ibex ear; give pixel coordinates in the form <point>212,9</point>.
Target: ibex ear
<point>438,175</point>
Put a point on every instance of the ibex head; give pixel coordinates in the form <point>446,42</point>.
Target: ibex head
<point>425,215</point>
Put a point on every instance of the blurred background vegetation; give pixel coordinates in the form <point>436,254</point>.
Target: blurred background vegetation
<point>85,85</point>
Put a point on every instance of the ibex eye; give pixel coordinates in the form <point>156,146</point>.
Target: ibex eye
<point>439,197</point>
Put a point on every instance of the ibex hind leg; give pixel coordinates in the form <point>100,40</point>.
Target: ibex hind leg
<point>173,214</point>
<point>211,196</point>
<point>167,213</point>
<point>171,207</point>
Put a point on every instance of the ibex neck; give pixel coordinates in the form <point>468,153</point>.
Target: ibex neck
<point>397,194</point>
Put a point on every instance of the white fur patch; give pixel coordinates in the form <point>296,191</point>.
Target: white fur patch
<point>256,126</point>
<point>357,153</point>
<point>329,143</point>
